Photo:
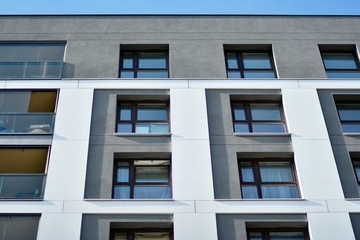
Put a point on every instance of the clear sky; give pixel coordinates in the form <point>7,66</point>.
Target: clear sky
<point>339,7</point>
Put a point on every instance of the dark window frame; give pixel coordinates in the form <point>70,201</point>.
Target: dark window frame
<point>240,62</point>
<point>257,177</point>
<point>337,103</point>
<point>266,232</point>
<point>135,66</point>
<point>248,117</point>
<point>339,70</point>
<point>131,232</point>
<point>132,179</point>
<point>133,120</point>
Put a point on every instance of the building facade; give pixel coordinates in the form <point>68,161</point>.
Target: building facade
<point>179,127</point>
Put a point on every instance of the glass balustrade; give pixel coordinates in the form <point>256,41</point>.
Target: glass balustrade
<point>27,123</point>
<point>22,186</point>
<point>40,70</point>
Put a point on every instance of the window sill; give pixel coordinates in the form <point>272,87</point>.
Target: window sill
<point>352,134</point>
<point>127,200</point>
<point>262,134</point>
<point>261,199</point>
<point>142,134</point>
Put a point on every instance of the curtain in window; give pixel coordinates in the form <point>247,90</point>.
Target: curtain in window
<point>152,236</point>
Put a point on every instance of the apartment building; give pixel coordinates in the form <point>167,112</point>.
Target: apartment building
<point>163,127</point>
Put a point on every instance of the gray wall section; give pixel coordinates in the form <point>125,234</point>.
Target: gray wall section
<point>355,220</point>
<point>98,226</point>
<point>343,146</point>
<point>195,42</point>
<point>227,148</point>
<point>103,144</point>
<point>233,226</point>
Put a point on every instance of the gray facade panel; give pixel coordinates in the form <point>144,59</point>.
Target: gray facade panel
<point>342,145</point>
<point>93,43</point>
<point>233,226</point>
<point>98,227</point>
<point>104,145</point>
<point>226,148</point>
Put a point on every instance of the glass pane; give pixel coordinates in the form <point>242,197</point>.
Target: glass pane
<point>241,127</point>
<point>127,74</point>
<point>120,236</point>
<point>124,128</point>
<point>239,112</point>
<point>152,192</point>
<point>276,191</point>
<point>152,112</point>
<point>152,236</point>
<point>351,127</point>
<point>125,112</point>
<point>22,186</point>
<point>152,60</point>
<point>357,170</point>
<point>287,236</point>
<point>271,127</point>
<point>231,61</point>
<point>343,74</point>
<point>255,236</point>
<point>123,172</point>
<point>259,74</point>
<point>121,192</point>
<point>233,74</point>
<point>152,74</point>
<point>249,192</point>
<point>31,52</point>
<point>152,128</point>
<point>247,172</point>
<point>127,60</point>
<point>349,111</point>
<point>152,174</point>
<point>256,61</point>
<point>339,61</point>
<point>276,172</point>
<point>265,112</point>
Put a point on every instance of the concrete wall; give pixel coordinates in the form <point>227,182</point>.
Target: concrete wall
<point>93,44</point>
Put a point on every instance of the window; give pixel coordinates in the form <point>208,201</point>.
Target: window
<point>341,64</point>
<point>22,173</point>
<point>31,60</point>
<point>151,234</point>
<point>143,117</point>
<point>277,234</point>
<point>349,115</point>
<point>27,111</point>
<point>144,64</point>
<point>356,164</point>
<point>268,178</point>
<point>142,179</point>
<point>258,117</point>
<point>249,64</point>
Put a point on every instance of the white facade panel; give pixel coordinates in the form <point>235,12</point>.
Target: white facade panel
<point>330,226</point>
<point>195,226</point>
<point>59,226</point>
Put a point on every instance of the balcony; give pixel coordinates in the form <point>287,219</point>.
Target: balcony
<point>27,123</point>
<point>39,70</point>
<point>22,186</point>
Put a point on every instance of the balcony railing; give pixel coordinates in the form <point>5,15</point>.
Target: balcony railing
<point>22,186</point>
<point>27,123</point>
<point>51,69</point>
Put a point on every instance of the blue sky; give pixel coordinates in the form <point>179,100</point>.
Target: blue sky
<point>339,7</point>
